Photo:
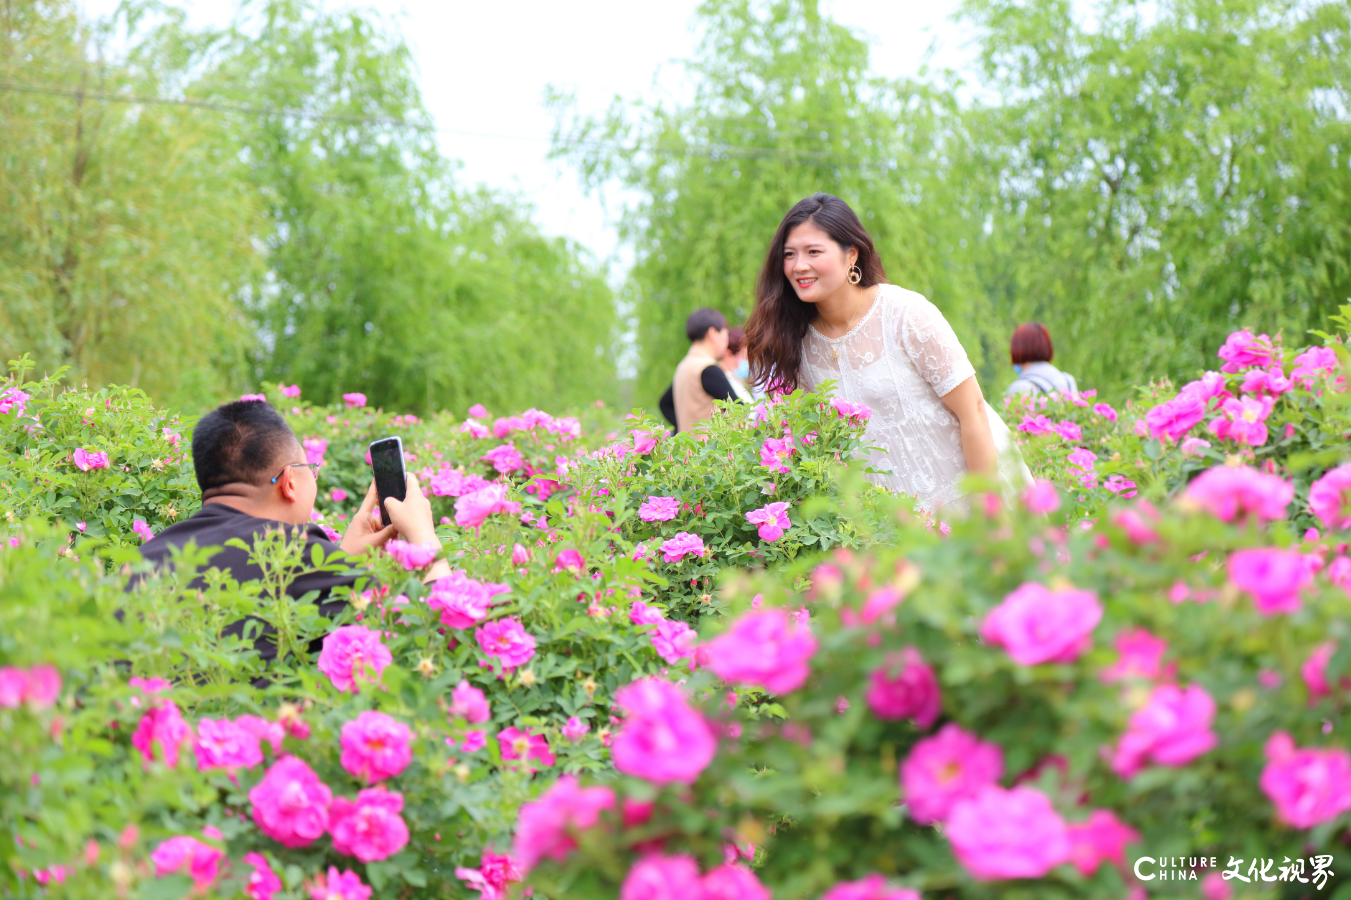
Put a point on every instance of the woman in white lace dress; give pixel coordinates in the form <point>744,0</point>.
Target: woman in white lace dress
<point>824,312</point>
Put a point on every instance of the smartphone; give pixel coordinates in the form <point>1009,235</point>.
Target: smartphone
<point>387,464</point>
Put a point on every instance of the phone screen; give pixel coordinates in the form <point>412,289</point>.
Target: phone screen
<point>387,464</point>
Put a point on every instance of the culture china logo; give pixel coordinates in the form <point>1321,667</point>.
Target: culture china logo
<point>1317,870</point>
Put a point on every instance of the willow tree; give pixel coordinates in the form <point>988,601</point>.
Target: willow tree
<point>125,227</point>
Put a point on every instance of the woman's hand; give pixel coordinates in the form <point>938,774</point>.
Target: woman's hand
<point>968,405</point>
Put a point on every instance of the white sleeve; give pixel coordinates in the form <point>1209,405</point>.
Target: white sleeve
<point>932,345</point>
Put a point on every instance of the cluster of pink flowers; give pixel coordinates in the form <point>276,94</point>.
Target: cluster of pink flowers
<point>950,766</point>
<point>253,398</point>
<point>1328,498</point>
<point>1230,492</point>
<point>772,520</point>
<point>375,746</point>
<point>38,686</point>
<point>494,873</point>
<point>507,640</point>
<point>229,746</point>
<point>344,885</point>
<point>659,509</point>
<point>13,400</point>
<point>1243,420</point>
<point>290,803</point>
<point>463,601</point>
<point>315,448</point>
<point>1139,657</point>
<point>1037,625</point>
<point>161,734</point>
<point>644,442</point>
<point>354,400</point>
<point>504,458</point>
<point>1013,833</point>
<point>350,654</point>
<point>662,740</point>
<point>765,648</point>
<point>855,412</point>
<point>1311,362</point>
<point>290,391</point>
<point>88,460</point>
<point>673,641</point>
<point>1172,729</point>
<point>683,544</point>
<point>1243,350</point>
<point>657,876</point>
<point>473,509</point>
<point>774,454</point>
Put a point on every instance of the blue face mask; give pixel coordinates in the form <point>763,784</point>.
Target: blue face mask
<point>743,370</point>
<point>1018,369</point>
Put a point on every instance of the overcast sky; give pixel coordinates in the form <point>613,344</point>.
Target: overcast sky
<point>484,68</point>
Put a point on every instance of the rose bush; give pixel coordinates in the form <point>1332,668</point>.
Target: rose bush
<point>697,668</point>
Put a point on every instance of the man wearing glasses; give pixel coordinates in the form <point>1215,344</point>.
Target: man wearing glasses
<point>254,477</point>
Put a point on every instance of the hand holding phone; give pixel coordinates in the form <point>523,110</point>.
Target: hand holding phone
<point>390,477</point>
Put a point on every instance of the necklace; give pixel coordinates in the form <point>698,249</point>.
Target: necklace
<point>849,326</point>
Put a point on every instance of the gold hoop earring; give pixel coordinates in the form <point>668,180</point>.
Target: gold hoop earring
<point>855,274</point>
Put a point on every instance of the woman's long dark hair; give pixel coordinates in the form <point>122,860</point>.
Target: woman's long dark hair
<point>779,322</point>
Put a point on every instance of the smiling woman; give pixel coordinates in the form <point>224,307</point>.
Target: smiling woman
<point>824,313</point>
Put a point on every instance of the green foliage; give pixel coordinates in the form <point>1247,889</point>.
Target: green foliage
<point>1144,184</point>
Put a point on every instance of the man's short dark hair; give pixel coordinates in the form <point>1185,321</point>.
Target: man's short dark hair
<point>697,325</point>
<point>239,442</point>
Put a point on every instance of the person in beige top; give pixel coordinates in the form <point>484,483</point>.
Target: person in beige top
<point>698,379</point>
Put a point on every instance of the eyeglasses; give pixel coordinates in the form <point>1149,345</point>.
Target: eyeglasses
<point>313,467</point>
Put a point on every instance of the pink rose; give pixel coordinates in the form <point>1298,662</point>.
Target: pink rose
<point>642,614</point>
<point>565,427</point>
<point>474,428</point>
<point>1069,431</point>
<point>657,877</point>
<point>1270,382</point>
<point>1327,498</point>
<point>290,391</point>
<point>1308,785</point>
<point>507,640</point>
<point>13,400</point>
<point>659,509</point>
<point>732,881</point>
<point>763,648</point>
<point>772,519</point>
<point>490,879</point>
<point>142,530</point>
<point>662,739</point>
<point>345,885</point>
<point>1105,411</point>
<point>337,495</point>
<point>950,766</point>
<point>188,856</point>
<point>519,554</point>
<point>855,412</point>
<point>1307,365</point>
<point>1275,578</point>
<point>472,509</point>
<point>87,460</point>
<point>478,411</point>
<point>905,688</point>
<point>534,418</point>
<point>683,544</point>
<point>644,442</point>
<point>546,828</point>
<point>1193,446</point>
<point>1172,729</point>
<point>505,458</point>
<point>39,686</point>
<point>524,745</point>
<point>1140,656</point>
<point>1214,887</point>
<point>774,454</point>
<point>369,828</point>
<point>351,653</point>
<point>375,746</point>
<point>290,804</point>
<point>160,734</point>
<point>469,703</point>
<point>1173,419</point>
<point>354,400</point>
<point>1041,497</point>
<point>462,600</point>
<point>1002,833</point>
<point>473,742</point>
<point>1242,350</point>
<point>569,561</point>
<point>263,883</point>
<point>315,448</point>
<point>1103,838</point>
<point>870,887</point>
<point>575,729</point>
<point>1244,421</point>
<point>1036,625</point>
<point>226,745</point>
<point>1314,672</point>
<point>412,556</point>
<point>1227,492</point>
<point>1037,424</point>
<point>674,641</point>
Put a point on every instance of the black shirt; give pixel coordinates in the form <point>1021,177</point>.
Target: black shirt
<point>216,523</point>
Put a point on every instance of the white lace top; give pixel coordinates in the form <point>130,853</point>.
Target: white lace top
<point>899,360</point>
